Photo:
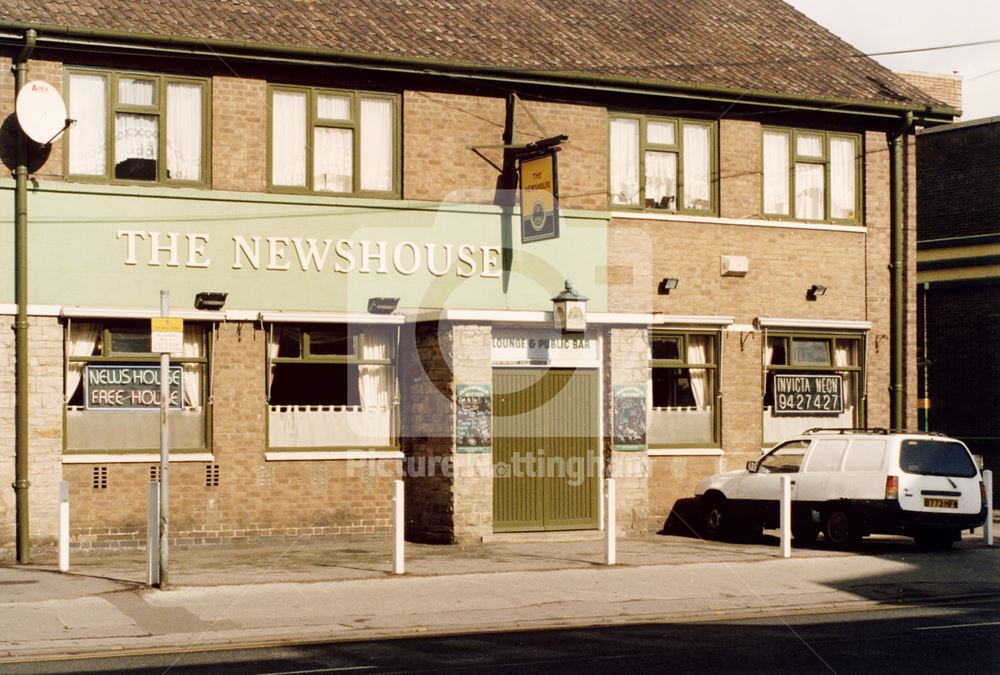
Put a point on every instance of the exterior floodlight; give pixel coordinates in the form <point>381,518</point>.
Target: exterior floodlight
<point>815,291</point>
<point>210,300</point>
<point>666,285</point>
<point>382,305</point>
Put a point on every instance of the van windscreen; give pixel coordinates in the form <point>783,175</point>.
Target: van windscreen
<point>936,458</point>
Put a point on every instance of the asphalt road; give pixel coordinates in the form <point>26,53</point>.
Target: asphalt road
<point>936,639</point>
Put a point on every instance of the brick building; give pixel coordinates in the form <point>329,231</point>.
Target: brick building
<point>958,275</point>
<point>731,186</point>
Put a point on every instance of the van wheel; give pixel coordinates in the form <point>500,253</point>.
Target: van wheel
<point>716,517</point>
<point>840,529</point>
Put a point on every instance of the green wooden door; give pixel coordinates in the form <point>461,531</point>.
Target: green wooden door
<point>545,450</point>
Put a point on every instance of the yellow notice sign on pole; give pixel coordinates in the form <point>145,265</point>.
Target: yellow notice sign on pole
<point>167,336</point>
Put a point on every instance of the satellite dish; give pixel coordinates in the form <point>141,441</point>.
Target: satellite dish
<point>41,112</point>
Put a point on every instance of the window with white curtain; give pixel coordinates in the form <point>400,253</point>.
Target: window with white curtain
<point>137,127</point>
<point>813,354</point>
<point>334,141</point>
<point>331,386</point>
<point>662,163</point>
<point>112,385</point>
<point>812,175</point>
<point>684,381</point>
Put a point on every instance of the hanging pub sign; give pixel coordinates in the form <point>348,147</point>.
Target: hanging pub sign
<point>134,387</point>
<point>539,198</point>
<point>812,395</point>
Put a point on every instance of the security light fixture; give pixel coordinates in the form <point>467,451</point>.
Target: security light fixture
<point>815,291</point>
<point>382,305</point>
<point>666,285</point>
<point>210,300</point>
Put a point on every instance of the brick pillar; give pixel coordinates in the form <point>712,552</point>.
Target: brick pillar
<point>473,486</point>
<point>626,358</point>
<point>427,389</point>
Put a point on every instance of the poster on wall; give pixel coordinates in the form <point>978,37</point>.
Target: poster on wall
<point>473,417</point>
<point>630,417</point>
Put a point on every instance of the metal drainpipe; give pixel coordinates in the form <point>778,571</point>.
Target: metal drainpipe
<point>21,482</point>
<point>897,392</point>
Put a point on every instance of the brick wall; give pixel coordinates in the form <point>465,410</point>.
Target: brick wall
<point>740,178</point>
<point>239,134</point>
<point>440,131</point>
<point>945,88</point>
<point>959,194</point>
<point>45,396</point>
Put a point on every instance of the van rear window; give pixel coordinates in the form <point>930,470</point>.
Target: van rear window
<point>936,458</point>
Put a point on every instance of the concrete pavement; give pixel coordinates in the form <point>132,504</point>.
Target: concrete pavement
<point>321,590</point>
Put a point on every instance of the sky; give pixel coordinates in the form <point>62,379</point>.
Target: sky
<point>891,25</point>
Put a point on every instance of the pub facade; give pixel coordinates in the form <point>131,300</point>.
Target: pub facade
<point>366,296</point>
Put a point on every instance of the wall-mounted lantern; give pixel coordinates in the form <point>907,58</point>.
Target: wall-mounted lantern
<point>569,310</point>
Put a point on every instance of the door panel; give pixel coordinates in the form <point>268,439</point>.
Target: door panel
<point>545,449</point>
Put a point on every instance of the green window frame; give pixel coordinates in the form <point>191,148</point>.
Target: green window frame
<point>138,128</point>
<point>666,164</point>
<point>812,176</point>
<point>334,141</point>
<point>685,393</point>
<point>127,342</point>
<point>336,381</point>
<point>815,353</point>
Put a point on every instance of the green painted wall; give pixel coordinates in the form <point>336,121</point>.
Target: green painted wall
<point>92,245</point>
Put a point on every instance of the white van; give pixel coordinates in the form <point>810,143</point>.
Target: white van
<point>848,483</point>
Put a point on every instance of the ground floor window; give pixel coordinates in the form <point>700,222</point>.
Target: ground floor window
<point>112,388</point>
<point>811,381</point>
<point>331,386</point>
<point>684,373</point>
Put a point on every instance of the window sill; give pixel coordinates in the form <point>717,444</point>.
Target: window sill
<point>686,452</point>
<point>751,222</point>
<point>317,455</point>
<point>135,458</point>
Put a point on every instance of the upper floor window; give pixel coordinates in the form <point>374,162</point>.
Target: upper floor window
<point>812,175</point>
<point>138,127</point>
<point>662,163</point>
<point>334,141</point>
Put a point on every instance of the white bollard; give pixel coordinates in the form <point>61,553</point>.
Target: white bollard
<point>153,535</point>
<point>398,562</point>
<point>785,517</point>
<point>64,526</point>
<point>988,526</point>
<point>610,524</point>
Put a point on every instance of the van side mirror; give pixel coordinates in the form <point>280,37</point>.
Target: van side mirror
<point>752,466</point>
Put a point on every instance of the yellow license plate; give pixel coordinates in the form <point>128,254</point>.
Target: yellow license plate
<point>934,503</point>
